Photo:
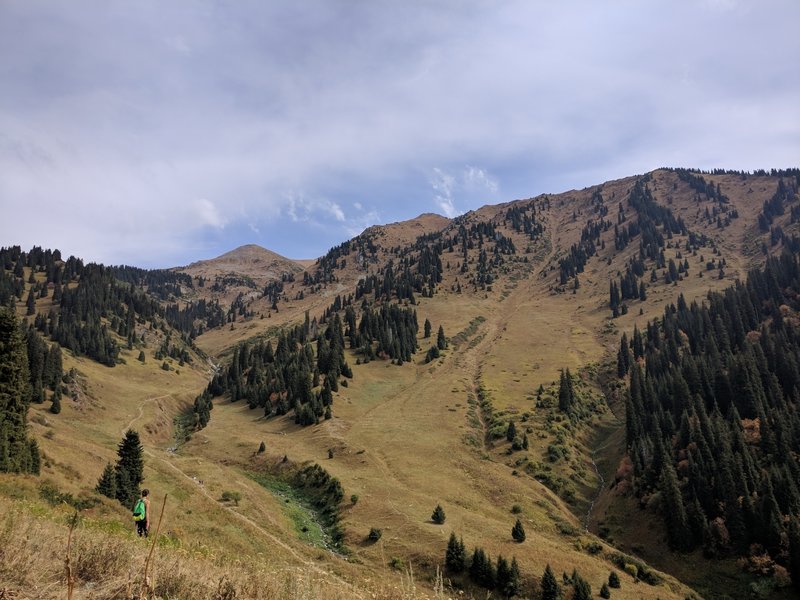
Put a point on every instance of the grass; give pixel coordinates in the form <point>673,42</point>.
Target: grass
<point>297,509</point>
<point>405,439</point>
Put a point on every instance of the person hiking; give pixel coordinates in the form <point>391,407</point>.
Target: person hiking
<point>141,514</point>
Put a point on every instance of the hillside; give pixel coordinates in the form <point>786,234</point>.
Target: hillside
<point>489,429</point>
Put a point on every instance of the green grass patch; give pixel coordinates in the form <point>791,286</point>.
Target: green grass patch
<point>298,509</point>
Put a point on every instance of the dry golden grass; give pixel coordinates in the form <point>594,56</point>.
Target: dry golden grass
<point>404,438</point>
<point>111,565</point>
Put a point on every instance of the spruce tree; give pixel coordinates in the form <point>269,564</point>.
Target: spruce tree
<point>17,454</point>
<point>455,559</point>
<point>107,484</point>
<point>427,328</point>
<point>518,532</point>
<point>678,533</point>
<point>130,468</point>
<point>613,580</point>
<point>502,574</point>
<point>511,431</point>
<point>441,340</point>
<point>566,393</point>
<point>55,407</point>
<point>604,591</point>
<point>438,516</point>
<point>583,591</point>
<point>794,551</point>
<point>550,588</point>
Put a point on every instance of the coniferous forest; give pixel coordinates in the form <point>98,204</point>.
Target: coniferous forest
<point>713,416</point>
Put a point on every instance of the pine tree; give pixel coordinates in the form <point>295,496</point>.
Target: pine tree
<point>441,340</point>
<point>604,591</point>
<point>513,584</point>
<point>427,328</point>
<point>613,580</point>
<point>107,485</point>
<point>550,588</point>
<point>680,538</point>
<point>566,393</point>
<point>17,454</point>
<point>130,468</point>
<point>518,532</point>
<point>794,551</point>
<point>502,574</point>
<point>55,407</point>
<point>456,556</point>
<point>511,431</point>
<point>30,303</point>
<point>583,591</point>
<point>438,516</point>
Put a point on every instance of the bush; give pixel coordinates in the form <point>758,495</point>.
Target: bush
<point>354,499</point>
<point>229,496</point>
<point>374,534</point>
<point>594,547</point>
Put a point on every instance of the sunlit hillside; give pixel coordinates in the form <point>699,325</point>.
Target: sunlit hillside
<point>521,292</point>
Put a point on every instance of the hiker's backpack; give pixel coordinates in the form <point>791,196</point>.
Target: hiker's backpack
<point>138,510</point>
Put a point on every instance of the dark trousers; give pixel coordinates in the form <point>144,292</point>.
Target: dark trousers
<point>141,528</point>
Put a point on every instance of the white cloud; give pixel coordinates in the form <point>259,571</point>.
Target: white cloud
<point>475,177</point>
<point>116,120</point>
<point>208,214</point>
<point>442,185</point>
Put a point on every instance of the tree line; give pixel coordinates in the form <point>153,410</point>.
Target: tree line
<point>713,419</point>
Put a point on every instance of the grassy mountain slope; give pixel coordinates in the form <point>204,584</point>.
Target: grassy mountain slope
<point>406,438</point>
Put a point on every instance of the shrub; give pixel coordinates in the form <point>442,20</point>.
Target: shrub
<point>374,534</point>
<point>354,499</point>
<point>594,547</point>
<point>230,496</point>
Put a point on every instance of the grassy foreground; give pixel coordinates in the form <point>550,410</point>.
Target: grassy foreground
<point>108,561</point>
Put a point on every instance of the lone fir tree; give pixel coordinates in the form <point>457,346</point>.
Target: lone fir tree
<point>518,532</point>
<point>438,516</point>
<point>130,468</point>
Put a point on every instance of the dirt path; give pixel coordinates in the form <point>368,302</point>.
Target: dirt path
<point>141,411</point>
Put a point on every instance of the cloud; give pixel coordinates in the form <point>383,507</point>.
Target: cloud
<point>116,120</point>
<point>473,186</point>
<point>208,214</point>
<point>442,185</point>
<point>477,178</point>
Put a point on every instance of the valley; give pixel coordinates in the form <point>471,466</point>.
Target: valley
<point>521,292</point>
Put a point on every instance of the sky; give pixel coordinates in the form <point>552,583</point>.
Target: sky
<point>157,133</point>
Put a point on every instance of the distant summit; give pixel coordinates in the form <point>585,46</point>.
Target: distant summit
<point>251,260</point>
<point>406,232</point>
